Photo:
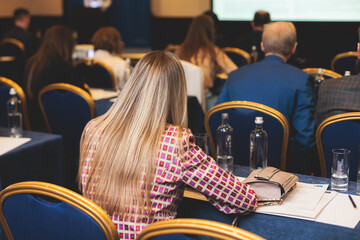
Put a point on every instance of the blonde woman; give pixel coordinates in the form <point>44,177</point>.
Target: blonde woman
<point>136,159</point>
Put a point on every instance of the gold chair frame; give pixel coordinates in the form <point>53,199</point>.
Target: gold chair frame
<point>197,227</point>
<point>328,121</point>
<point>21,94</point>
<point>239,51</point>
<point>325,72</point>
<point>70,88</point>
<point>14,41</point>
<point>62,194</point>
<point>340,56</point>
<point>91,62</point>
<point>253,106</point>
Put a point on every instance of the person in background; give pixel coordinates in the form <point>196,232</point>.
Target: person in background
<point>52,63</point>
<point>338,95</point>
<point>199,49</point>
<point>20,31</point>
<point>136,159</point>
<point>108,48</point>
<point>253,38</point>
<point>281,86</point>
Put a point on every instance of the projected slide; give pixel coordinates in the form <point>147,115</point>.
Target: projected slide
<point>289,10</point>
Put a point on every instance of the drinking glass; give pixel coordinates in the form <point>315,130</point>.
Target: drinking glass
<point>340,170</point>
<point>201,140</point>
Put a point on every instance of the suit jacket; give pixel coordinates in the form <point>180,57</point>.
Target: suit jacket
<point>336,96</point>
<point>248,40</point>
<point>27,38</point>
<point>281,86</point>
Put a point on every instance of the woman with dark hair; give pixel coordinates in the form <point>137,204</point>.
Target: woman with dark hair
<point>108,47</point>
<point>52,63</point>
<point>199,49</point>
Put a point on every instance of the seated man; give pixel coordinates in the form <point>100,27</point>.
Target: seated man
<point>20,31</point>
<point>275,83</point>
<point>340,95</point>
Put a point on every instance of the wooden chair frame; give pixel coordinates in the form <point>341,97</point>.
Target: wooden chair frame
<point>14,41</point>
<point>328,121</point>
<point>91,62</point>
<point>197,227</point>
<point>239,51</point>
<point>62,194</point>
<point>70,88</point>
<point>21,94</point>
<point>253,106</point>
<point>325,72</point>
<point>340,56</point>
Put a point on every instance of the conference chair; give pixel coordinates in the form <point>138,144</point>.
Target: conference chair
<point>14,69</point>
<point>241,118</point>
<point>39,210</point>
<point>345,61</point>
<point>12,47</point>
<point>339,131</point>
<point>325,73</point>
<point>176,228</point>
<point>96,74</point>
<point>5,85</point>
<point>238,56</point>
<point>66,110</point>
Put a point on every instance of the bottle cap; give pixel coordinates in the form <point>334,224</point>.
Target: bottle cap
<point>259,120</point>
<point>347,73</point>
<point>320,71</point>
<point>12,91</point>
<point>225,116</point>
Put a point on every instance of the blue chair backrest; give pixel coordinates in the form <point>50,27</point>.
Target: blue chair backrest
<point>96,76</point>
<point>344,134</point>
<point>67,114</point>
<point>242,121</point>
<point>237,59</point>
<point>32,217</point>
<point>345,64</point>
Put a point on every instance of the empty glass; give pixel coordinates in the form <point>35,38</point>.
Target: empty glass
<point>340,170</point>
<point>201,140</point>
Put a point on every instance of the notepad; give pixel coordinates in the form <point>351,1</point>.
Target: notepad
<point>341,212</point>
<point>98,94</point>
<point>7,144</point>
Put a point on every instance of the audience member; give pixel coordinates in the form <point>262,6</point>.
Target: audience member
<point>340,95</point>
<point>220,39</point>
<point>136,159</point>
<point>254,37</point>
<point>20,31</point>
<point>199,49</point>
<point>52,63</point>
<point>108,47</point>
<point>281,86</point>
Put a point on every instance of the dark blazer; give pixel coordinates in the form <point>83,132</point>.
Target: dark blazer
<point>248,40</point>
<point>339,95</point>
<point>281,86</point>
<point>27,38</point>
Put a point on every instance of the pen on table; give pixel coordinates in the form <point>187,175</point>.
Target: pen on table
<point>352,201</point>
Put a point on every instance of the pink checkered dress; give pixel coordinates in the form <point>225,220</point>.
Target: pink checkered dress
<point>177,168</point>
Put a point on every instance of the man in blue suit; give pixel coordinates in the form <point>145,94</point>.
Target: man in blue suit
<point>275,83</point>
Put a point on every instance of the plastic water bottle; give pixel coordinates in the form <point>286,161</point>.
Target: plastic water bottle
<point>318,80</point>
<point>258,145</point>
<point>254,54</point>
<point>14,114</point>
<point>224,155</point>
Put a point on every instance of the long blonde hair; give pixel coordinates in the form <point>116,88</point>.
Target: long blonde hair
<point>128,136</point>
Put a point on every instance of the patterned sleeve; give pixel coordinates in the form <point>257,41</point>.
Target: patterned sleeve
<point>222,188</point>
